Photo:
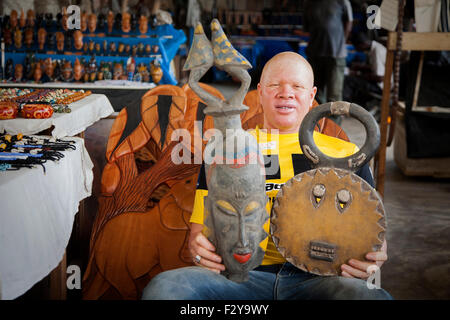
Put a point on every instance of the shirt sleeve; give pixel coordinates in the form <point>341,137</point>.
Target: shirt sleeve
<point>366,174</point>
<point>348,10</point>
<point>199,200</point>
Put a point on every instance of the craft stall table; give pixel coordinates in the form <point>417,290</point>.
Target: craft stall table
<point>120,93</point>
<point>37,216</point>
<point>38,208</point>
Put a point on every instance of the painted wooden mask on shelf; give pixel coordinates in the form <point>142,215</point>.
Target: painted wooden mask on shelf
<point>66,71</point>
<point>59,41</point>
<point>64,18</point>
<point>37,74</point>
<point>143,24</point>
<point>18,38</point>
<point>77,70</point>
<point>156,71</point>
<point>29,37</point>
<point>13,19</point>
<point>18,72</point>
<point>83,23</point>
<point>22,20</point>
<point>121,47</point>
<point>148,49</point>
<point>42,35</point>
<point>30,18</point>
<point>110,21</point>
<point>126,26</point>
<point>92,23</point>
<point>78,39</point>
<point>7,36</point>
<point>91,46</point>
<point>112,47</point>
<point>118,71</point>
<point>9,69</point>
<point>49,68</point>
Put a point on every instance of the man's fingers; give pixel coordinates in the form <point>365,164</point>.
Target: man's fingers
<point>360,265</point>
<point>345,274</point>
<point>202,252</point>
<point>354,272</point>
<point>377,256</point>
<point>211,265</point>
<point>202,241</point>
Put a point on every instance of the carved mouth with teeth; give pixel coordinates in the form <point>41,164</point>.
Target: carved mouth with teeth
<point>322,251</point>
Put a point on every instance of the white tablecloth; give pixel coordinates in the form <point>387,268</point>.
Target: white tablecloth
<point>84,113</point>
<point>36,217</point>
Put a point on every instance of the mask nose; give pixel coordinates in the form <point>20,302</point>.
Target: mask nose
<point>243,239</point>
<point>242,252</point>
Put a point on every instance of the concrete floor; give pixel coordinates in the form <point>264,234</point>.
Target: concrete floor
<point>418,211</point>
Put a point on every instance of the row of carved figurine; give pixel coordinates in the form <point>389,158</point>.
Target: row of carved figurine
<point>50,70</point>
<point>88,22</point>
<point>46,41</point>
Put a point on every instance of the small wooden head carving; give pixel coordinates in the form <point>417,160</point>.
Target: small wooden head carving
<point>60,41</point>
<point>22,20</point>
<point>18,38</point>
<point>92,22</point>
<point>143,24</point>
<point>110,21</point>
<point>42,36</point>
<point>29,37</point>
<point>30,18</point>
<point>77,70</point>
<point>13,19</point>
<point>78,39</point>
<point>37,74</point>
<point>18,72</point>
<point>83,24</point>
<point>126,25</point>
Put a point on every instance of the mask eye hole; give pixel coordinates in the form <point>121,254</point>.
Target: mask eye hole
<point>251,207</point>
<point>317,195</point>
<point>343,200</point>
<point>226,208</point>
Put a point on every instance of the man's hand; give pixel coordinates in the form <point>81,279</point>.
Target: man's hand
<point>201,246</point>
<point>358,269</point>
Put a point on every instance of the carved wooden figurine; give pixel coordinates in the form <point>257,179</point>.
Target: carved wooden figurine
<point>92,22</point>
<point>78,39</point>
<point>126,26</point>
<point>42,36</point>
<point>143,24</point>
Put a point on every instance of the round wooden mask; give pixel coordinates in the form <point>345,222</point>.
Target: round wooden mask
<point>323,217</point>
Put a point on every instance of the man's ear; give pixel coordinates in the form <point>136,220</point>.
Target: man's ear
<point>313,94</point>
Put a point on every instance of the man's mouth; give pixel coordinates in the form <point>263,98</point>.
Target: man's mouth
<point>285,108</point>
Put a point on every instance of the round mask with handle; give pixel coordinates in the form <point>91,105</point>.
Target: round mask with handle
<point>323,217</point>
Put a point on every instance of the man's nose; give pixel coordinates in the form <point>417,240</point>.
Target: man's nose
<point>285,92</point>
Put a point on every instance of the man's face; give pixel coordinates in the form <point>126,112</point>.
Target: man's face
<point>286,92</point>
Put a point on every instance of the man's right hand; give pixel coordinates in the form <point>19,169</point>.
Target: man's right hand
<point>201,246</point>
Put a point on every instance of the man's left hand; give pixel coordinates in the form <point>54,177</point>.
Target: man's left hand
<point>358,269</point>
